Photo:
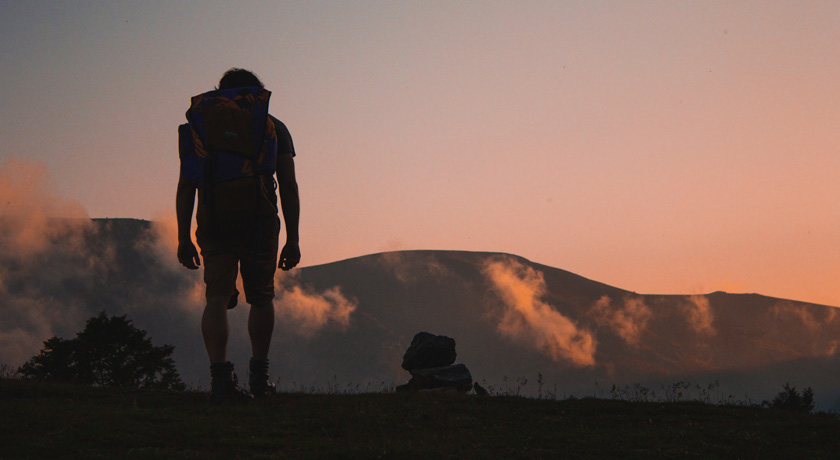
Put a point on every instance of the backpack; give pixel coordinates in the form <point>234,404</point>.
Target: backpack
<point>229,136</point>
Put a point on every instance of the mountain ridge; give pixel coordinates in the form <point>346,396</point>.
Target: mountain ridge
<point>352,320</point>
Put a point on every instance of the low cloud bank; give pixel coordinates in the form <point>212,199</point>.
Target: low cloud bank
<point>41,262</point>
<point>310,310</point>
<point>58,268</point>
<point>528,319</point>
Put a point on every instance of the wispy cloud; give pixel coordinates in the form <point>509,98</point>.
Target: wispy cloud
<point>529,319</point>
<point>161,242</point>
<point>43,264</point>
<point>58,267</point>
<point>788,311</point>
<point>418,266</point>
<point>628,318</point>
<point>700,315</point>
<point>27,204</point>
<point>310,309</point>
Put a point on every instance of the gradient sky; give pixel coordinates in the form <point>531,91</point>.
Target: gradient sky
<point>661,147</point>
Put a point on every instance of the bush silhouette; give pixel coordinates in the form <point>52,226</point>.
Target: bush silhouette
<point>110,351</point>
<point>790,399</point>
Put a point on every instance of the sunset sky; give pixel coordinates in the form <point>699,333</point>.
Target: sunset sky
<point>661,147</point>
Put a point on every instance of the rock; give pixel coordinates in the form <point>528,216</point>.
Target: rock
<point>456,376</point>
<point>404,388</point>
<point>429,351</point>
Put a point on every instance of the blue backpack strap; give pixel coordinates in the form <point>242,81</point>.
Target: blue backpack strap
<point>191,165</point>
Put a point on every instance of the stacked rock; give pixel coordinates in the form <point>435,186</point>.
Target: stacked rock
<point>430,360</point>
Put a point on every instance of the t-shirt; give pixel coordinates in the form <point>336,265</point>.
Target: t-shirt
<point>284,138</point>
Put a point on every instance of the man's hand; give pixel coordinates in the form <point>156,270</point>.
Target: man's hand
<point>188,255</point>
<point>289,257</point>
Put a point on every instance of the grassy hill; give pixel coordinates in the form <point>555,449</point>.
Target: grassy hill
<point>65,421</point>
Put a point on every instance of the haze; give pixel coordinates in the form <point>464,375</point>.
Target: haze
<point>661,147</point>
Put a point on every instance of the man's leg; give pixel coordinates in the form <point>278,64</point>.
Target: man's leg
<point>260,328</point>
<point>220,271</point>
<point>258,268</point>
<point>221,267</point>
<point>215,329</point>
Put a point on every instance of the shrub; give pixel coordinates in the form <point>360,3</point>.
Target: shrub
<point>790,399</point>
<point>110,351</point>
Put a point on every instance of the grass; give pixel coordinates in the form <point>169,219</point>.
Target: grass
<point>41,420</point>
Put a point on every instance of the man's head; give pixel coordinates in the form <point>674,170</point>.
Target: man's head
<point>236,78</point>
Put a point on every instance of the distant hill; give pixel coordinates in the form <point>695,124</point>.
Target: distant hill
<point>349,322</point>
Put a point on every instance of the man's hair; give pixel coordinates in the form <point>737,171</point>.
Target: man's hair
<point>236,78</point>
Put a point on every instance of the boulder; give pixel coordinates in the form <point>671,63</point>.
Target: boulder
<point>429,351</point>
<point>455,376</point>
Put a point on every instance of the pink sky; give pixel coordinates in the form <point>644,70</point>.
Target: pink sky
<point>661,147</point>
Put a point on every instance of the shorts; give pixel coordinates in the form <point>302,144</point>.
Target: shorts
<point>255,257</point>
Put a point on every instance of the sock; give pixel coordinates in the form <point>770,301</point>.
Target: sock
<point>259,369</point>
<point>221,371</point>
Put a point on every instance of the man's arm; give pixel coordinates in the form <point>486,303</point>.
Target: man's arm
<point>287,188</point>
<point>184,205</point>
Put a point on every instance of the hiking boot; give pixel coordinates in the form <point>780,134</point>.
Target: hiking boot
<point>229,391</point>
<point>263,388</point>
<point>224,386</point>
<point>258,380</point>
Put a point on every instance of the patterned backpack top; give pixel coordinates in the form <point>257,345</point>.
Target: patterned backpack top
<point>229,136</point>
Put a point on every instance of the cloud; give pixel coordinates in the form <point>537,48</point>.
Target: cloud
<point>787,311</point>
<point>627,319</point>
<point>27,207</point>
<point>309,309</point>
<point>58,268</point>
<point>811,328</point>
<point>832,348</point>
<point>700,316</point>
<point>411,269</point>
<point>43,264</point>
<point>526,318</point>
<point>161,242</point>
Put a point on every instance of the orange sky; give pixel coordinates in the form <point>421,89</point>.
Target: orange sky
<point>661,147</point>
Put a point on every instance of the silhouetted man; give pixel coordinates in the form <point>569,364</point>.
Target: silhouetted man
<point>228,156</point>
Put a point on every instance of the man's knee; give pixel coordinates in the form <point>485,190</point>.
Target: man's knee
<point>262,304</point>
<point>217,303</point>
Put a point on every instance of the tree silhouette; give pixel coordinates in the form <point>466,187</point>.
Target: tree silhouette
<point>791,400</point>
<point>110,351</point>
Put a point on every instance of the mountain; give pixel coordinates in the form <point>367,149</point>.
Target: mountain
<point>348,323</point>
<point>515,319</point>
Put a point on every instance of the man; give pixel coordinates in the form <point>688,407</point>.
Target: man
<point>237,224</point>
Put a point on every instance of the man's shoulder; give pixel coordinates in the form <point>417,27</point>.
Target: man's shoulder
<point>279,126</point>
<point>284,137</point>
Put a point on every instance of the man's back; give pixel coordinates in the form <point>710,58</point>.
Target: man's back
<point>237,219</point>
